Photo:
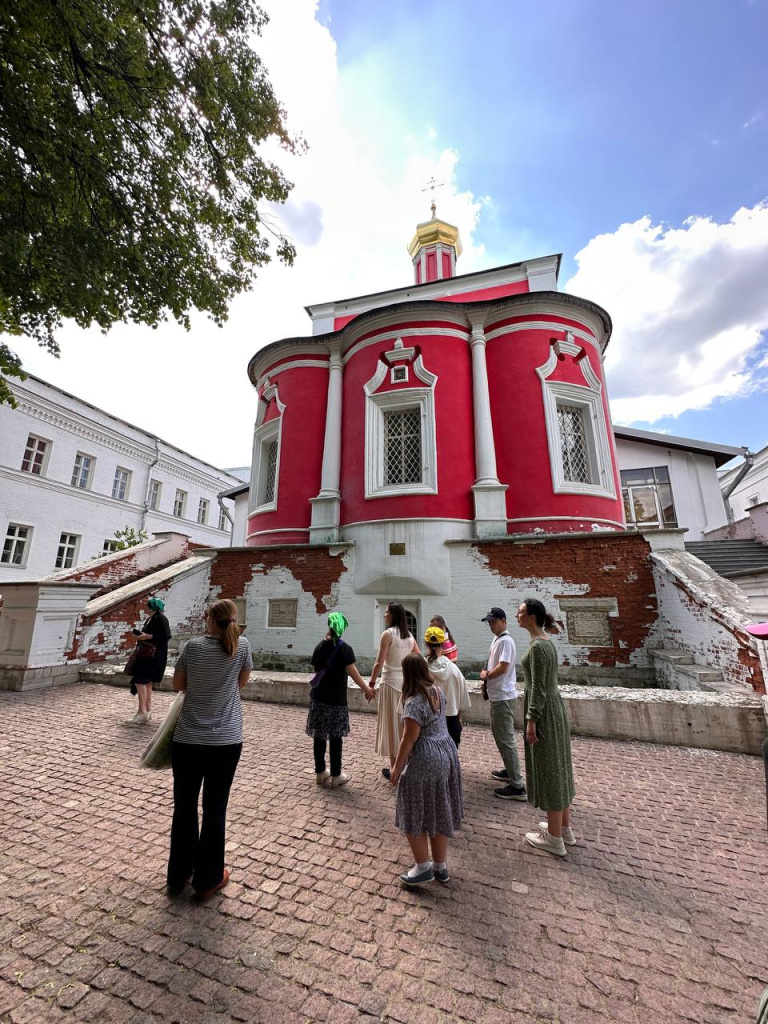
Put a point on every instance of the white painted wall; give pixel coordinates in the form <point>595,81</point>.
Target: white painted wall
<point>695,485</point>
<point>51,505</point>
<point>754,484</point>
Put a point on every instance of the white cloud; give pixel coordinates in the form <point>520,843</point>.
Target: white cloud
<point>689,306</point>
<point>357,200</point>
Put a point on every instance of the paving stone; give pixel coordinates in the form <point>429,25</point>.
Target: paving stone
<point>657,914</point>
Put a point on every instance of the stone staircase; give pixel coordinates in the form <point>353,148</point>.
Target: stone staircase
<point>730,557</point>
<point>676,670</point>
<point>745,562</point>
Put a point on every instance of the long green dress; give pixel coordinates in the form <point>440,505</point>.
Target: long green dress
<point>548,767</point>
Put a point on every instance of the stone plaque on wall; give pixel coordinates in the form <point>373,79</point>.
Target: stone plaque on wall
<point>397,549</point>
<point>589,627</point>
<point>282,613</point>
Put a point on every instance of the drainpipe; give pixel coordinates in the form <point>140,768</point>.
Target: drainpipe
<point>749,461</point>
<point>225,510</point>
<point>149,481</point>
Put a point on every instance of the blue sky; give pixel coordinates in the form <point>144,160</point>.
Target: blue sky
<point>630,135</point>
<point>578,116</point>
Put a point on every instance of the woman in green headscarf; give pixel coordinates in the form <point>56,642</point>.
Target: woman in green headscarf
<point>152,637</point>
<point>328,718</point>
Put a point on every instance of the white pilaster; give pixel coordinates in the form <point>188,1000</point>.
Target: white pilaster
<point>324,528</point>
<point>490,500</point>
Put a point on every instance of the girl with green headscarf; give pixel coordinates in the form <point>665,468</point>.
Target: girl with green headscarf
<point>149,667</point>
<point>328,718</point>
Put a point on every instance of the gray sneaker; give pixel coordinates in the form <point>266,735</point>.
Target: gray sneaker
<point>427,875</point>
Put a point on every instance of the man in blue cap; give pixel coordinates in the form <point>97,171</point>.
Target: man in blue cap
<point>500,680</point>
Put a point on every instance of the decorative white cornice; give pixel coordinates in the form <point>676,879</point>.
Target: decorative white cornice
<point>293,364</point>
<point>399,352</point>
<point>72,424</point>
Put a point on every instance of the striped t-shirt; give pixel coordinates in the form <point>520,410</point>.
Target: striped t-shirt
<point>212,713</point>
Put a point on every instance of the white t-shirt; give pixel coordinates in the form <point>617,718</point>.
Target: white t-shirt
<point>502,687</point>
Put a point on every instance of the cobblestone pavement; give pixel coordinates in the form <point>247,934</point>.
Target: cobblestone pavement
<point>658,915</point>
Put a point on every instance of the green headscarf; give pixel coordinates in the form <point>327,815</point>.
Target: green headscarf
<point>157,604</point>
<point>337,622</point>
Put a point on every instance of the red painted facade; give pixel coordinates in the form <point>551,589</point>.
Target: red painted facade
<point>520,326</point>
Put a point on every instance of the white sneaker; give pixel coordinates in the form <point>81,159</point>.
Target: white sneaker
<point>141,717</point>
<point>322,777</point>
<point>568,837</point>
<point>542,840</point>
<point>133,720</point>
<point>338,780</point>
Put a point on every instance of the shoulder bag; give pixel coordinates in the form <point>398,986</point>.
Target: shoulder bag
<point>318,677</point>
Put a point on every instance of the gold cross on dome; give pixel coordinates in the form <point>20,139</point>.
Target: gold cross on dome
<point>431,185</point>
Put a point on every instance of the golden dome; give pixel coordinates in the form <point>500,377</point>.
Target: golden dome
<point>435,231</point>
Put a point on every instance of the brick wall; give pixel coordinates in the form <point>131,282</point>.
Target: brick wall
<point>316,571</point>
<point>605,566</point>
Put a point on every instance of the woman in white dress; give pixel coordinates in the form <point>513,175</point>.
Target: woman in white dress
<point>396,641</point>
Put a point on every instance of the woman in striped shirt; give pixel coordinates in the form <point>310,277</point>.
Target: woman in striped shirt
<point>207,743</point>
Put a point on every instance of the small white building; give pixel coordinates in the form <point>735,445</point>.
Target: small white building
<point>71,475</point>
<point>669,481</point>
<point>752,490</point>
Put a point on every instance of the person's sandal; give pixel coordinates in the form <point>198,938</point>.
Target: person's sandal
<point>201,897</point>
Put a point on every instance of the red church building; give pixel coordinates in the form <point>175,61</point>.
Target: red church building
<point>465,406</point>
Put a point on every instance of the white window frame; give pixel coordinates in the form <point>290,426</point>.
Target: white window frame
<point>400,400</point>
<point>65,549</point>
<point>587,396</point>
<point>263,436</point>
<point>156,506</point>
<point>46,452</point>
<point>25,544</point>
<point>115,487</point>
<point>203,511</point>
<point>224,523</point>
<point>77,472</point>
<point>110,547</point>
<point>182,513</point>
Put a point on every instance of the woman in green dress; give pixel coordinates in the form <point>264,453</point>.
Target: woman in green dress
<point>548,767</point>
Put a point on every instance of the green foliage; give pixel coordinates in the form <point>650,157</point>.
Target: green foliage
<point>130,174</point>
<point>129,538</point>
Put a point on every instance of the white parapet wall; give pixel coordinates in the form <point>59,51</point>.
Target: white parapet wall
<point>710,721</point>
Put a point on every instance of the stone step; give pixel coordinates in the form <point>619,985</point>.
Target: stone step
<point>672,656</point>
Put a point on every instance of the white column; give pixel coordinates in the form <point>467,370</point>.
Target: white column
<point>490,499</point>
<point>326,506</point>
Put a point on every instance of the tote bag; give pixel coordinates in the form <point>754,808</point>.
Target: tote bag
<point>158,752</point>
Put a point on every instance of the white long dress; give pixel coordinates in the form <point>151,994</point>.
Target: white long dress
<point>389,726</point>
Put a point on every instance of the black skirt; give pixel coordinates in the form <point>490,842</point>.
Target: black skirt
<point>327,721</point>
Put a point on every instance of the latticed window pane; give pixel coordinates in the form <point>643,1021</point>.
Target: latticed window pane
<point>15,544</point>
<point>271,478</point>
<point>573,444</point>
<point>67,551</point>
<point>34,455</point>
<point>402,447</point>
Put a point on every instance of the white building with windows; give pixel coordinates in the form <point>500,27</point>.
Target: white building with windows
<point>752,490</point>
<point>71,475</point>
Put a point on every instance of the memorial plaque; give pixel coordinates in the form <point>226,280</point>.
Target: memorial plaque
<point>282,613</point>
<point>589,627</point>
<point>397,549</point>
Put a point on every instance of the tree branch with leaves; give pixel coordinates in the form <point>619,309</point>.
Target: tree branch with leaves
<point>132,180</point>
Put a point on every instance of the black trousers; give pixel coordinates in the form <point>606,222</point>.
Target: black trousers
<point>335,743</point>
<point>198,852</point>
<point>454,728</point>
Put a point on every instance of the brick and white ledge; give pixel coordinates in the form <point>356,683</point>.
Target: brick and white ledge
<point>713,721</point>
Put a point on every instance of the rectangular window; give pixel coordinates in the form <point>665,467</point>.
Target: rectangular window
<point>153,498</point>
<point>180,504</point>
<point>67,553</point>
<point>81,474</point>
<point>223,521</point>
<point>752,500</point>
<point>34,455</point>
<point>16,546</point>
<point>271,473</point>
<point>648,497</point>
<point>110,546</point>
<point>202,511</point>
<point>573,444</point>
<point>121,484</point>
<point>402,447</point>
